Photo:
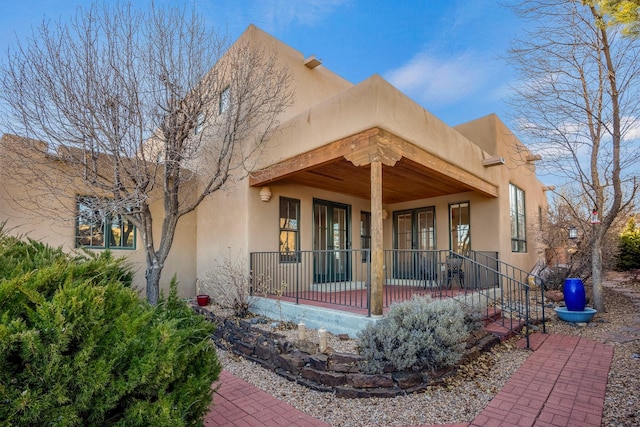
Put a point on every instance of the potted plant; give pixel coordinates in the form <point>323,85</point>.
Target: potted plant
<point>203,300</point>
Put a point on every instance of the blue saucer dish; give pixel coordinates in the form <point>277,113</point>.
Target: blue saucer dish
<point>583,316</point>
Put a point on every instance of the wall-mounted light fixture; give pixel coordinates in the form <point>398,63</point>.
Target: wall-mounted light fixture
<point>265,194</point>
<point>493,161</point>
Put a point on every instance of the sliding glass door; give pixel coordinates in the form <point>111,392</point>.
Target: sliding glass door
<point>331,235</point>
<point>414,234</point>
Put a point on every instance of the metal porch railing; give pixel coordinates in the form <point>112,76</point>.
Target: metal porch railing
<point>518,294</point>
<point>342,279</point>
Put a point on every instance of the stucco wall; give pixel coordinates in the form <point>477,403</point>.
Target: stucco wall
<point>50,216</point>
<point>492,134</point>
<point>311,86</point>
<point>222,227</point>
<point>375,103</point>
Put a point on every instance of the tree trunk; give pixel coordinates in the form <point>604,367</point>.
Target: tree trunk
<point>596,274</point>
<point>152,274</point>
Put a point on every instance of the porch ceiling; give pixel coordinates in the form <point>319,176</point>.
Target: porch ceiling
<point>409,173</point>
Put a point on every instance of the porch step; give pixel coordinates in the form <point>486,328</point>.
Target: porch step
<point>505,328</point>
<point>493,314</point>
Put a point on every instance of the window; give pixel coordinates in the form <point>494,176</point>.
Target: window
<point>199,124</point>
<point>289,229</point>
<point>98,228</point>
<point>460,222</point>
<point>540,226</point>
<point>225,99</point>
<point>365,235</point>
<point>518,219</point>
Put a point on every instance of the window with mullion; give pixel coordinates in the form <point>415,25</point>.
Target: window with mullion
<point>365,235</point>
<point>225,99</point>
<point>289,244</point>
<point>518,219</point>
<point>99,229</point>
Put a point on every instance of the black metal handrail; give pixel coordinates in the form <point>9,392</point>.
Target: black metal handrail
<point>343,278</point>
<point>521,293</point>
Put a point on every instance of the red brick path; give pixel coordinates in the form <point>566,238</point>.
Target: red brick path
<point>238,403</point>
<point>562,383</point>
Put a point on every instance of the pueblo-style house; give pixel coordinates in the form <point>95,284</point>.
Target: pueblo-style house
<point>360,191</point>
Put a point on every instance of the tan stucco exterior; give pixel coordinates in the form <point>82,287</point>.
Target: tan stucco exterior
<point>358,125</point>
<point>47,214</point>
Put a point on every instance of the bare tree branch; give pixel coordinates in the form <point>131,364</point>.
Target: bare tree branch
<point>578,103</point>
<point>129,105</point>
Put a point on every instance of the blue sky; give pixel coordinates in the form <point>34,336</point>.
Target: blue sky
<point>445,55</point>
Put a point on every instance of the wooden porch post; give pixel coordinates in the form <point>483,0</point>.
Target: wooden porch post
<point>377,254</point>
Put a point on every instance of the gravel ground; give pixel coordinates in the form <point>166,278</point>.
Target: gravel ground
<point>465,395</point>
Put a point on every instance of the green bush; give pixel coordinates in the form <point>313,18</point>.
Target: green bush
<point>418,334</point>
<point>78,346</point>
<point>629,247</point>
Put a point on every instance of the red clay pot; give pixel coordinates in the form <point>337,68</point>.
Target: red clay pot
<point>203,300</point>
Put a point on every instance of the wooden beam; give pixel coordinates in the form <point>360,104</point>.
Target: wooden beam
<point>363,148</point>
<point>443,167</point>
<point>377,253</point>
<point>319,156</point>
<point>379,149</point>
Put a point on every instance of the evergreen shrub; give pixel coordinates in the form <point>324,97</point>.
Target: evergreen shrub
<point>629,247</point>
<point>78,346</point>
<point>416,335</point>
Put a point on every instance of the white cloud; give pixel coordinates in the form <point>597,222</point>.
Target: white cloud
<point>278,15</point>
<point>631,126</point>
<point>440,79</point>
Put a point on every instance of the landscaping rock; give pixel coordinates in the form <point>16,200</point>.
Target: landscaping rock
<point>407,379</point>
<point>318,361</point>
<point>331,379</point>
<point>369,381</point>
<point>555,296</point>
<point>291,362</point>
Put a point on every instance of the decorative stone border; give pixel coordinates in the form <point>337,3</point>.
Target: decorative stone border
<point>329,372</point>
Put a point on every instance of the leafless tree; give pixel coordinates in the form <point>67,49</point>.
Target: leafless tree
<point>571,256</point>
<point>142,107</point>
<point>578,105</point>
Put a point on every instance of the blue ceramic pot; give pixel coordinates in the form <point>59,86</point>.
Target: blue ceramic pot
<point>575,296</point>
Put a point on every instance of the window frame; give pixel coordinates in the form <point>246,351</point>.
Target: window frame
<point>107,222</point>
<point>517,219</point>
<point>292,256</point>
<point>225,100</point>
<point>199,125</point>
<point>459,228</point>
<point>365,235</point>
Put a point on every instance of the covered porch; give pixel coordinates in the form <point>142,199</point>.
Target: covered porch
<point>385,169</point>
<point>503,294</point>
<point>438,274</point>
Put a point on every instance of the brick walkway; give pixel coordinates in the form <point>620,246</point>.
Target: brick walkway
<point>238,403</point>
<point>562,383</point>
